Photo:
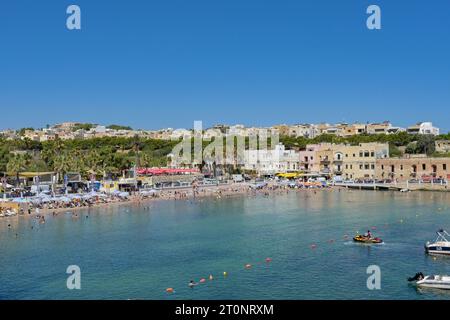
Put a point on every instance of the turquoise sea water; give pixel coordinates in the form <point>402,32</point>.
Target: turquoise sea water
<point>130,252</point>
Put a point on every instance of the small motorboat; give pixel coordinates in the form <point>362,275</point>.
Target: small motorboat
<point>441,246</point>
<point>367,240</point>
<point>436,282</point>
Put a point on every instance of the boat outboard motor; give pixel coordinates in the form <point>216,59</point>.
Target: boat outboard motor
<point>419,276</point>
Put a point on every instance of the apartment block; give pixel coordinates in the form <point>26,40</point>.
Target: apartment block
<point>413,167</point>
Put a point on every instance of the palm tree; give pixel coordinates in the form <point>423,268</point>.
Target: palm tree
<point>61,164</point>
<point>78,161</point>
<point>146,160</point>
<point>93,160</point>
<point>15,165</point>
<point>137,146</point>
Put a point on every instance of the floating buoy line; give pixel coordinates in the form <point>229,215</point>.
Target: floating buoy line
<point>225,274</point>
<point>312,246</point>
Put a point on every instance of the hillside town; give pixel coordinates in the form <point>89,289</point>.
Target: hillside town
<point>73,164</point>
<point>74,130</point>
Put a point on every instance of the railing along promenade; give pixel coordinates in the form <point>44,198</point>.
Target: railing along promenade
<point>442,185</point>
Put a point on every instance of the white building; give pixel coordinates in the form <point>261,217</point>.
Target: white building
<point>99,129</point>
<point>181,133</point>
<point>270,162</point>
<point>212,133</point>
<point>237,130</point>
<point>424,128</point>
<point>303,130</point>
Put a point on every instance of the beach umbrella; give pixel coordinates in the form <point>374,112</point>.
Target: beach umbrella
<point>46,199</point>
<point>64,199</point>
<point>36,201</point>
<point>21,200</point>
<point>148,192</point>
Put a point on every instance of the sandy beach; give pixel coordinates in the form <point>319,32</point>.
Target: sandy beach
<point>220,192</point>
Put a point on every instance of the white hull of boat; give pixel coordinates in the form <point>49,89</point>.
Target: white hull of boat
<point>435,282</point>
<point>435,286</point>
<point>438,253</point>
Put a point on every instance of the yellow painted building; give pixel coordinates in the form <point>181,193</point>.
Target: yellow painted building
<point>359,162</point>
<point>347,161</point>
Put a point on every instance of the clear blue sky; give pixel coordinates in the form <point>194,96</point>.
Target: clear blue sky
<point>153,64</point>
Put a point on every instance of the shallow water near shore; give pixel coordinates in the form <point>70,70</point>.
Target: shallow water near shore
<point>131,252</point>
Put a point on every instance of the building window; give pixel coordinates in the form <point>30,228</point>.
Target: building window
<point>360,167</point>
<point>372,167</point>
<point>444,167</point>
<point>424,167</point>
<point>382,167</point>
<point>372,154</point>
<point>367,167</point>
<point>367,154</point>
<point>401,167</point>
<point>361,154</point>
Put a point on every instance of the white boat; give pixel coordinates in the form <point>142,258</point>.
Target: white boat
<point>441,246</point>
<point>436,282</point>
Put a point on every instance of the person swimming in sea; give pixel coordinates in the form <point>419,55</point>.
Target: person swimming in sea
<point>192,284</point>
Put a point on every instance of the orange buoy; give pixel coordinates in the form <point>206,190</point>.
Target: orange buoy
<point>248,266</point>
<point>269,260</point>
<point>202,280</point>
<point>170,290</point>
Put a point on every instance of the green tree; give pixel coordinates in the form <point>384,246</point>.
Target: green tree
<point>426,144</point>
<point>394,151</point>
<point>119,127</point>
<point>62,164</point>
<point>17,164</point>
<point>411,148</point>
